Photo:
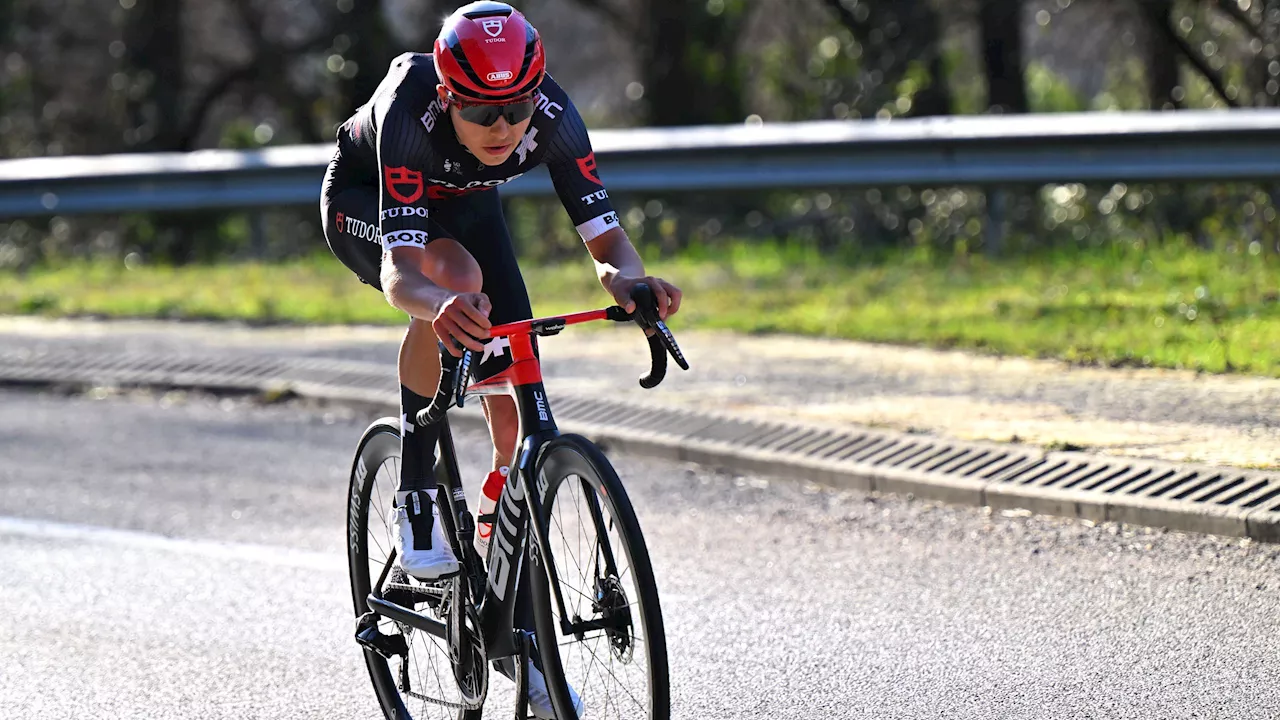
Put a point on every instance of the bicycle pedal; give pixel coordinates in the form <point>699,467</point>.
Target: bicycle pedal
<point>370,638</point>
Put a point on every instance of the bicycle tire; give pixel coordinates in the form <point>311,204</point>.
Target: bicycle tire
<point>572,456</point>
<point>379,444</point>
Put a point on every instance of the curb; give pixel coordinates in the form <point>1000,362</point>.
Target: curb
<point>1195,498</point>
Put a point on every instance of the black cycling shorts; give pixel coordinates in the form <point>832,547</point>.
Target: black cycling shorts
<point>474,220</point>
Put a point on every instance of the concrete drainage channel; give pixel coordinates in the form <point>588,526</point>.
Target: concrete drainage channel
<point>1197,498</point>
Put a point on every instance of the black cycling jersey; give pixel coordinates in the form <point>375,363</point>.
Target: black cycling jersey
<point>404,137</point>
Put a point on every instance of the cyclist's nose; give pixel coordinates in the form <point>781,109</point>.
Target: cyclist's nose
<point>501,126</point>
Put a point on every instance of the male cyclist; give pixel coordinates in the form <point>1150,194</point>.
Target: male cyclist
<point>410,205</point>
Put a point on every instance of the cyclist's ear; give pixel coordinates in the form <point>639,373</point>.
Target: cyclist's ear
<point>442,91</point>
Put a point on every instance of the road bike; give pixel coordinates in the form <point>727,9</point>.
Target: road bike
<point>594,604</point>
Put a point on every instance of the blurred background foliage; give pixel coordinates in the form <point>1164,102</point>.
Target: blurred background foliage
<point>107,76</point>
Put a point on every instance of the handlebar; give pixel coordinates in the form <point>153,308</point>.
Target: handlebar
<point>454,371</point>
<point>661,341</point>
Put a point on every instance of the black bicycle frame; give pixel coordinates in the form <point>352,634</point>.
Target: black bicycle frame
<point>520,501</point>
<point>522,496</point>
<point>496,590</point>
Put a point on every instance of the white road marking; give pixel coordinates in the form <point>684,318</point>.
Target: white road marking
<point>100,536</point>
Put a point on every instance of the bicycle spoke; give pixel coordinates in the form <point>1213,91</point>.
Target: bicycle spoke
<point>586,681</point>
<point>599,582</point>
<point>596,659</point>
<point>578,484</point>
<point>565,543</point>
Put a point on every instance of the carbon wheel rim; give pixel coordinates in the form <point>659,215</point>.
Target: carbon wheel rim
<point>432,692</point>
<point>609,668</point>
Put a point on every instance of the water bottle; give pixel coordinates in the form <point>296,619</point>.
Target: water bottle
<point>489,494</point>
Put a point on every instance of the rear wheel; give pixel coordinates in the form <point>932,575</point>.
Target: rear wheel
<point>614,654</point>
<point>420,684</point>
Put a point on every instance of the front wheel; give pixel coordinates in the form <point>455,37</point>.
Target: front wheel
<point>608,644</point>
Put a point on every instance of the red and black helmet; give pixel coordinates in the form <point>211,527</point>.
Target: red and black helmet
<point>488,53</point>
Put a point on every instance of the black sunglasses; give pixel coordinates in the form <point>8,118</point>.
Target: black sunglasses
<point>486,114</point>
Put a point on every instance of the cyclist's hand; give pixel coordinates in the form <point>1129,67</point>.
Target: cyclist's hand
<point>667,295</point>
<point>463,318</point>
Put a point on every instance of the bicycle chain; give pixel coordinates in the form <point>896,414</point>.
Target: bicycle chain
<point>416,589</point>
<point>441,594</point>
<point>433,700</point>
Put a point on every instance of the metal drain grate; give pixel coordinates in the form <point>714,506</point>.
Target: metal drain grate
<point>1224,501</point>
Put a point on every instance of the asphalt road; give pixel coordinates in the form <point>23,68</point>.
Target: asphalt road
<point>181,557</point>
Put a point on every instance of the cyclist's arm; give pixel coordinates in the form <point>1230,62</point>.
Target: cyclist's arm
<point>620,268</point>
<point>572,166</point>
<point>403,158</point>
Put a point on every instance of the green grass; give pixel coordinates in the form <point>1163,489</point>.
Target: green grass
<point>1171,307</point>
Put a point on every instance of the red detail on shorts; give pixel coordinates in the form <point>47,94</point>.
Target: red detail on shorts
<point>403,176</point>
<point>587,166</point>
<point>341,221</point>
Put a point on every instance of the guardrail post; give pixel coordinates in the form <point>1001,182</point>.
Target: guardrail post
<point>257,235</point>
<point>997,212</point>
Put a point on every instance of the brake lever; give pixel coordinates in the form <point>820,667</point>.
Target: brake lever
<point>670,341</point>
<point>661,341</point>
<point>460,380</point>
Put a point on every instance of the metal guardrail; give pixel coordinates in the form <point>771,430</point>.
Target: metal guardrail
<point>984,151</point>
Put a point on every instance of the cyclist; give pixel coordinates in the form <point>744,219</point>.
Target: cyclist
<point>410,204</point>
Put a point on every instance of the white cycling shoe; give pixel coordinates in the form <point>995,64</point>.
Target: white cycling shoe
<point>421,550</point>
<point>539,698</point>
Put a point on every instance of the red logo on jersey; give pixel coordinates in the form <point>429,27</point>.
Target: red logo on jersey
<point>403,177</point>
<point>341,221</point>
<point>440,192</point>
<point>587,166</point>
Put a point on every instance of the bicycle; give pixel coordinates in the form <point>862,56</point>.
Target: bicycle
<point>468,619</point>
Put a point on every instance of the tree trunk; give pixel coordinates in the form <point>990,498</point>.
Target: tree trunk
<point>689,64</point>
<point>372,49</point>
<point>1161,55</point>
<point>153,41</point>
<point>921,40</point>
<point>1001,23</point>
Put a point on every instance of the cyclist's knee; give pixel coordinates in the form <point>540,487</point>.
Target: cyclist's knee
<point>450,266</point>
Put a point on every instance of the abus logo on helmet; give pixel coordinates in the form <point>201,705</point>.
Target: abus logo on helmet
<point>493,26</point>
<point>498,76</point>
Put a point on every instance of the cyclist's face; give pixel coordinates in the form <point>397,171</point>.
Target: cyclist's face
<point>493,144</point>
